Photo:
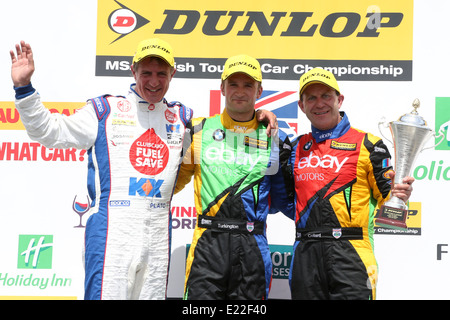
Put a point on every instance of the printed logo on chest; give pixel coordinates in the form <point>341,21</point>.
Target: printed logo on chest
<point>149,154</point>
<point>327,162</point>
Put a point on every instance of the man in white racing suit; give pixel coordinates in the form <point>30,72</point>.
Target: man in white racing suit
<point>134,145</point>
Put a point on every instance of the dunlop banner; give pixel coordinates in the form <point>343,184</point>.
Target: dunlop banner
<point>355,39</point>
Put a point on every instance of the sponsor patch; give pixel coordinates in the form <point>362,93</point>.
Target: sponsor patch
<point>343,146</point>
<point>255,143</point>
<point>337,233</point>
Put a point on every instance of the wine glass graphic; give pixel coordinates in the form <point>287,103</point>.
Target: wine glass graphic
<point>80,208</point>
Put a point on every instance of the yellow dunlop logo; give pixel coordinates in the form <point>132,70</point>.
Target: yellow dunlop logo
<point>355,39</point>
<point>342,145</point>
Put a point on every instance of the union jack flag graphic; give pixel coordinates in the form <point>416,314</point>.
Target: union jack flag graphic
<point>282,103</point>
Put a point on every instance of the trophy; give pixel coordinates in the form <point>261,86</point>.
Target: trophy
<point>410,133</point>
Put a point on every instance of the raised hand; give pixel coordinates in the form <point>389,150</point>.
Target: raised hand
<point>22,67</point>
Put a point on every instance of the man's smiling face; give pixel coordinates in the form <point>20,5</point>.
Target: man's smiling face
<point>152,77</point>
<point>321,105</point>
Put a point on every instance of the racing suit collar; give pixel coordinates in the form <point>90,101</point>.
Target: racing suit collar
<point>342,127</point>
<point>143,105</point>
<point>238,126</point>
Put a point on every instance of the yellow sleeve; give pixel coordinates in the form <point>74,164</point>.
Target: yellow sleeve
<point>187,167</point>
<point>380,160</point>
<point>186,172</point>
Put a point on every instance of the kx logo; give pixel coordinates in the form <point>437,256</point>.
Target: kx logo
<point>145,187</point>
<point>35,252</point>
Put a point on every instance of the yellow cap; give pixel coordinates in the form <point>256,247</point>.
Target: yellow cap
<point>156,48</point>
<point>242,63</point>
<point>318,75</point>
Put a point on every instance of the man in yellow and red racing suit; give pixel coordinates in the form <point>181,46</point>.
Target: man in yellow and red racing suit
<point>341,174</point>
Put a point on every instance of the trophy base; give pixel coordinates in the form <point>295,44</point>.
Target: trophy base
<point>392,218</point>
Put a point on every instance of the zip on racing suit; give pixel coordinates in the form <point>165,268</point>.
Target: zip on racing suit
<point>238,173</point>
<point>340,177</point>
<point>134,151</point>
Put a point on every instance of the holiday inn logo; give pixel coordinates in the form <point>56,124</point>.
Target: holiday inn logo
<point>35,252</point>
<point>442,122</point>
<point>438,169</point>
<point>34,259</point>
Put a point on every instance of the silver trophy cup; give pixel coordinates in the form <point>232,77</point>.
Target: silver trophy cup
<point>410,134</point>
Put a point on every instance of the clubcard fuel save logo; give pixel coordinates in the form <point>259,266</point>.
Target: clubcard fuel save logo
<point>149,154</point>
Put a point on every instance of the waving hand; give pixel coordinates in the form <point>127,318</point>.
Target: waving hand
<point>23,65</point>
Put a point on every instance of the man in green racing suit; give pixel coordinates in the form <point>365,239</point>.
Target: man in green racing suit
<point>240,175</point>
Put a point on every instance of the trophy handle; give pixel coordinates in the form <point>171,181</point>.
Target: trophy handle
<point>441,135</point>
<point>383,122</point>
